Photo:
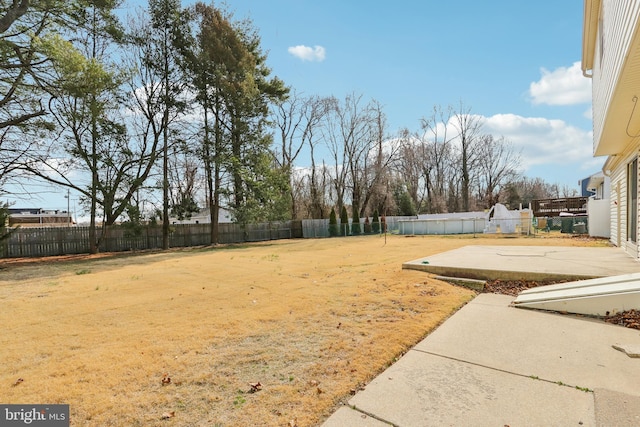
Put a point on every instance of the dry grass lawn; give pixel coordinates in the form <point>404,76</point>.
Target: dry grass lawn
<point>310,320</point>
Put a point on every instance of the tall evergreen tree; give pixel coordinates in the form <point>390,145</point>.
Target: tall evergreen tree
<point>248,106</point>
<point>160,41</point>
<point>375,222</point>
<point>333,223</point>
<point>344,221</point>
<point>232,85</point>
<point>213,43</point>
<point>355,226</point>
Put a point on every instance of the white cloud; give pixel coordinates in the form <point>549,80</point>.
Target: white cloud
<point>306,53</point>
<point>552,143</point>
<point>562,86</point>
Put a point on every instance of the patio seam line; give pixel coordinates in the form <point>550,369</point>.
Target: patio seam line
<point>369,414</point>
<point>531,377</point>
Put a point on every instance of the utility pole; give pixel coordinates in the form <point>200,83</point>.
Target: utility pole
<point>68,208</point>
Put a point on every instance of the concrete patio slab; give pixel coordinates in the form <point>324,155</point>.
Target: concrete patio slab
<point>527,263</point>
<point>347,417</point>
<point>426,390</point>
<point>577,351</point>
<point>493,365</point>
<point>616,409</point>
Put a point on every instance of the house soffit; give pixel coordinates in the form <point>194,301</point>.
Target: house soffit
<point>621,126</point>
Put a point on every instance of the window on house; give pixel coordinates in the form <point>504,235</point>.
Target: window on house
<point>632,201</point>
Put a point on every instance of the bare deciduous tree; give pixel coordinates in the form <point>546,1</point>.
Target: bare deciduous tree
<point>437,154</point>
<point>297,120</point>
<point>408,167</point>
<point>497,165</point>
<point>468,127</point>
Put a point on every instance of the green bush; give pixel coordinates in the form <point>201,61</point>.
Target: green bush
<point>375,223</point>
<point>344,222</point>
<point>355,226</point>
<point>5,232</point>
<point>333,224</point>
<point>406,205</point>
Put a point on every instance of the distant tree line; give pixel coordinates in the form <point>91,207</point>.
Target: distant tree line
<point>447,165</point>
<point>177,111</point>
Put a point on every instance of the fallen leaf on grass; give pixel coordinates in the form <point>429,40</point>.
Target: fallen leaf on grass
<point>168,415</point>
<point>355,390</point>
<point>255,387</point>
<point>18,381</point>
<point>293,423</point>
<point>166,379</point>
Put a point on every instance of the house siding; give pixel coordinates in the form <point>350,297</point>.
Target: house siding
<point>619,204</point>
<point>614,62</point>
<point>614,206</point>
<point>618,19</point>
<point>632,247</point>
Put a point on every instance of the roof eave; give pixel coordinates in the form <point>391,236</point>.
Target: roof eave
<point>589,34</point>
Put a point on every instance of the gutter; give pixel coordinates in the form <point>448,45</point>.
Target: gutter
<point>589,33</point>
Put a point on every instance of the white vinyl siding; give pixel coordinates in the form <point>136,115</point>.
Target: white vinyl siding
<point>613,205</point>
<point>618,21</point>
<point>632,201</point>
<point>619,204</point>
<point>632,246</point>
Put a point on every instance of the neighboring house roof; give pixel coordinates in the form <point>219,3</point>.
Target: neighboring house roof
<point>203,217</point>
<point>35,217</point>
<point>595,180</point>
<point>611,56</point>
<point>584,187</point>
<point>590,184</point>
<point>25,210</point>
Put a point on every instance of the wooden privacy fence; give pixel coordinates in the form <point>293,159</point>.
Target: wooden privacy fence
<point>53,241</point>
<point>34,242</point>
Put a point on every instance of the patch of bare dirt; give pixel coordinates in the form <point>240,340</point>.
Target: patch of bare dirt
<point>628,319</point>
<point>513,287</point>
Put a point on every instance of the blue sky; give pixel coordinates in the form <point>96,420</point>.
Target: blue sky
<point>516,63</point>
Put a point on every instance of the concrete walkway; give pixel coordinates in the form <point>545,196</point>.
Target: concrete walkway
<point>494,365</point>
